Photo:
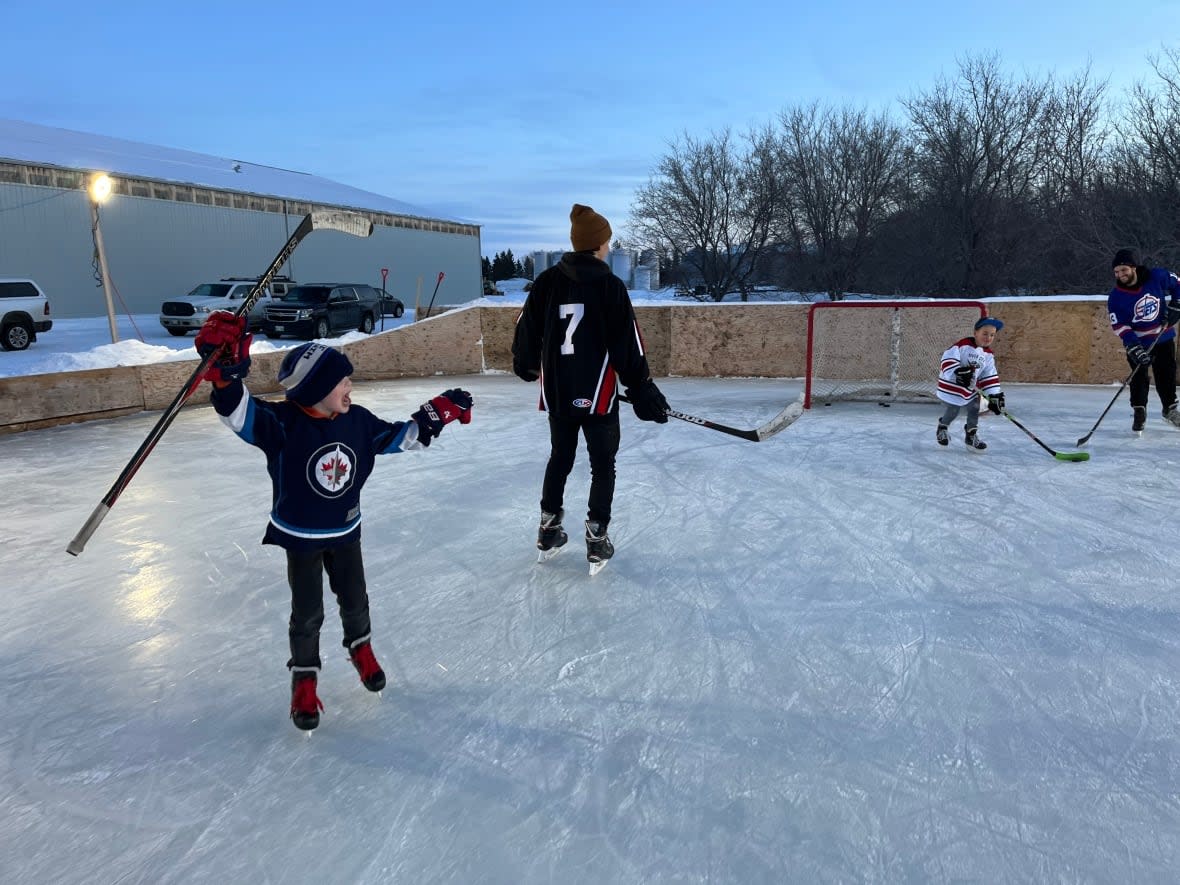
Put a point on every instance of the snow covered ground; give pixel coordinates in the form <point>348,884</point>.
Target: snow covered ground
<point>843,654</point>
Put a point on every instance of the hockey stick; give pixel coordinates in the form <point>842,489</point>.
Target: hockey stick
<point>781,421</point>
<point>1085,439</point>
<point>1060,456</point>
<point>346,222</point>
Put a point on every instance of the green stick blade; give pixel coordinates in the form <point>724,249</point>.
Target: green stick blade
<point>1072,456</point>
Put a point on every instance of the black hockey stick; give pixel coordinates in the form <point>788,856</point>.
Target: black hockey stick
<point>347,222</point>
<point>1060,456</point>
<point>782,420</point>
<point>1085,439</point>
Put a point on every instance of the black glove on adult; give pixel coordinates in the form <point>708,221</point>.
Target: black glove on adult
<point>996,403</point>
<point>648,402</point>
<point>1138,355</point>
<point>1173,313</point>
<point>523,372</point>
<point>964,375</point>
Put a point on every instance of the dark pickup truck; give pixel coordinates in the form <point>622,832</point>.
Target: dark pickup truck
<point>322,310</point>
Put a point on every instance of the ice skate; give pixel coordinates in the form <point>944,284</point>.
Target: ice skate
<point>974,443</point>
<point>305,705</point>
<point>599,548</point>
<point>551,537</point>
<point>1140,420</point>
<point>1172,416</point>
<point>942,436</point>
<point>362,657</point>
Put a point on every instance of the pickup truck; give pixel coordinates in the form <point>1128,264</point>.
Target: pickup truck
<point>322,310</point>
<point>187,314</point>
<point>24,311</point>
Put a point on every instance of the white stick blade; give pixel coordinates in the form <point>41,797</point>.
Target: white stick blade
<point>781,421</point>
<point>346,222</point>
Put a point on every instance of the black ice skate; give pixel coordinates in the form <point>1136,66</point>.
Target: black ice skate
<point>362,657</point>
<point>973,441</point>
<point>1140,419</point>
<point>305,706</point>
<point>1172,416</point>
<point>598,546</point>
<point>551,537</point>
<point>941,436</point>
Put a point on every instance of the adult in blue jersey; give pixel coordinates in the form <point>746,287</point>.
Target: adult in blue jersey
<point>1144,308</point>
<point>320,448</point>
<point>577,332</point>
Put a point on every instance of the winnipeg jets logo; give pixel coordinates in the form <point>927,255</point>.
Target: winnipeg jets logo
<point>330,470</point>
<point>1147,309</point>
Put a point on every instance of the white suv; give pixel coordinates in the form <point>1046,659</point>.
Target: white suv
<point>189,313</point>
<point>24,311</point>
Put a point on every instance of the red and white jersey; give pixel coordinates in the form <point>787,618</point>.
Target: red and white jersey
<point>966,352</point>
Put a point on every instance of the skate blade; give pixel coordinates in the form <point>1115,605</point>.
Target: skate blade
<point>596,567</point>
<point>546,555</point>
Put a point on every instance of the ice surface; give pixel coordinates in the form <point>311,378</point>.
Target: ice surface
<point>843,654</point>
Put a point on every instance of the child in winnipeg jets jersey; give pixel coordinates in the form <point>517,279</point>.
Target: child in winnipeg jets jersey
<point>320,448</point>
<point>969,366</point>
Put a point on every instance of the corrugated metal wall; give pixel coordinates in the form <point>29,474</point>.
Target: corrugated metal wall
<point>159,249</point>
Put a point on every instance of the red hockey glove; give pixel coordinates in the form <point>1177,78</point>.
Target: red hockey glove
<point>225,335</point>
<point>450,405</point>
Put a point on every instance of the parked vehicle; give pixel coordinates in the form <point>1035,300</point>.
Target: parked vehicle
<point>322,310</point>
<point>189,313</point>
<point>24,311</point>
<point>390,306</point>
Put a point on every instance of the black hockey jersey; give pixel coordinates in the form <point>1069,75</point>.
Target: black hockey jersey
<point>578,329</point>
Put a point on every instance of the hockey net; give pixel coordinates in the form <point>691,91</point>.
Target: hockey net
<point>886,351</point>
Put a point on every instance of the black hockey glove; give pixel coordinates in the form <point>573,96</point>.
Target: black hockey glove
<point>964,375</point>
<point>995,403</point>
<point>1138,355</point>
<point>523,372</point>
<point>648,402</point>
<point>1173,313</point>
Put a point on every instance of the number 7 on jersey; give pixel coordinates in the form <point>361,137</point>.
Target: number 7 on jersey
<point>576,311</point>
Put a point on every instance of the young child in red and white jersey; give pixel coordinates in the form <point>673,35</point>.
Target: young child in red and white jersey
<point>969,366</point>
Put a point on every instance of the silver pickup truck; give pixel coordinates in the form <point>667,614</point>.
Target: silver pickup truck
<point>188,314</point>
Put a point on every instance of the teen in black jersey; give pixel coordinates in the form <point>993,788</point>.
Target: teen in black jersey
<point>577,332</point>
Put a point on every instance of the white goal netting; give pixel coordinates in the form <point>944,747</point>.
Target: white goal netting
<point>881,350</point>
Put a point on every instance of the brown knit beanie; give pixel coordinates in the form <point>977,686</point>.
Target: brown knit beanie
<point>588,229</point>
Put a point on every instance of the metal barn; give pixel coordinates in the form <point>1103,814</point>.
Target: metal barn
<point>176,218</point>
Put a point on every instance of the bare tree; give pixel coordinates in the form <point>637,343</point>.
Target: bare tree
<point>1074,241</point>
<point>840,172</point>
<point>980,149</point>
<point>712,205</point>
<point>1141,191</point>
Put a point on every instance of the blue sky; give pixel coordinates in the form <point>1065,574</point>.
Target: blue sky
<point>507,116</point>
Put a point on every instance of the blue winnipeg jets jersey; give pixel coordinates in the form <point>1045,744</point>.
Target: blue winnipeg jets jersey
<point>317,466</point>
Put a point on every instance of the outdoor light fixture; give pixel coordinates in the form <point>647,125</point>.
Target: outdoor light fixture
<point>100,189</point>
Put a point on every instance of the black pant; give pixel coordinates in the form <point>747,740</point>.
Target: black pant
<point>346,577</point>
<point>602,444</point>
<point>1163,369</point>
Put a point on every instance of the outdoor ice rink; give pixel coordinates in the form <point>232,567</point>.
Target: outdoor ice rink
<point>843,654</point>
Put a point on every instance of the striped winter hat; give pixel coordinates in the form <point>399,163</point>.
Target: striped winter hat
<point>311,371</point>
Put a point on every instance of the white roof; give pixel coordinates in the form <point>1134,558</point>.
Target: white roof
<point>48,146</point>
